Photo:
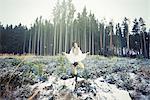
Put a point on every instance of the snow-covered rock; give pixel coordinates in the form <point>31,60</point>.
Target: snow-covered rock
<point>68,89</point>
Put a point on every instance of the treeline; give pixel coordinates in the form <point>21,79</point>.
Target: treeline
<point>46,37</point>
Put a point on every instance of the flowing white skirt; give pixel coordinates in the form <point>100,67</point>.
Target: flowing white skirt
<point>75,58</point>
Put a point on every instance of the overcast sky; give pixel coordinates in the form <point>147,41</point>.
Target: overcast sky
<point>26,11</point>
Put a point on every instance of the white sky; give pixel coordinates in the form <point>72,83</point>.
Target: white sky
<point>26,11</point>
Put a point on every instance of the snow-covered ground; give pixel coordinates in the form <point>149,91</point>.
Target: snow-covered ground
<point>49,78</point>
<point>96,89</point>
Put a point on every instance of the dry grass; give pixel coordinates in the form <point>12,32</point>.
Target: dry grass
<point>16,56</point>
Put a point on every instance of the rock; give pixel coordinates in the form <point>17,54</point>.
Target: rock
<point>110,92</point>
<point>51,98</point>
<point>23,92</point>
<point>79,93</point>
<point>83,89</point>
<point>42,78</point>
<point>88,98</point>
<point>144,89</point>
<point>64,77</point>
<point>110,79</point>
<point>138,96</point>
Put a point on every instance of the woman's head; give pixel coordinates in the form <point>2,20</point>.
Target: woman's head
<point>74,44</point>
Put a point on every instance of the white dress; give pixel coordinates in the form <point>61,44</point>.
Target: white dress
<point>75,55</point>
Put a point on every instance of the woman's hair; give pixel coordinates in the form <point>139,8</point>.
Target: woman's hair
<point>74,43</point>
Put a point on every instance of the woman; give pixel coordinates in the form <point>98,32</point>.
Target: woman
<point>75,57</point>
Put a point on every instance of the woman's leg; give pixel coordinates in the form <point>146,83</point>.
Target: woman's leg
<point>75,72</point>
<point>81,65</point>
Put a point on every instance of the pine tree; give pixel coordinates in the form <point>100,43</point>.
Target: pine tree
<point>126,32</point>
<point>111,36</point>
<point>143,36</point>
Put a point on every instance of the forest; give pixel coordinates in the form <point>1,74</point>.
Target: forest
<point>99,37</point>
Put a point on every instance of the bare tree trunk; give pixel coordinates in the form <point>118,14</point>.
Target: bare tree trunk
<point>141,44</point>
<point>85,37</point>
<point>54,44</point>
<point>144,42</point>
<point>111,48</point>
<point>24,45</point>
<point>90,36</point>
<point>29,51</point>
<point>128,45</point>
<point>92,42</point>
<point>57,39</point>
<point>34,41</point>
<point>38,41</point>
<point>60,38</point>
<point>104,41</point>
<point>75,32</point>
<point>101,43</point>
<point>66,37</point>
<point>71,34</point>
<point>78,33</point>
<point>41,41</point>
<point>45,41</point>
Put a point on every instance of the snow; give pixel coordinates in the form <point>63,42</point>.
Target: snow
<point>108,78</point>
<point>104,91</point>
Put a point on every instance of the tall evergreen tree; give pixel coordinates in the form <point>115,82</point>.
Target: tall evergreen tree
<point>144,38</point>
<point>111,36</point>
<point>126,33</point>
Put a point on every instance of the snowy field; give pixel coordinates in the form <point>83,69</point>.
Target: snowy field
<point>49,78</point>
